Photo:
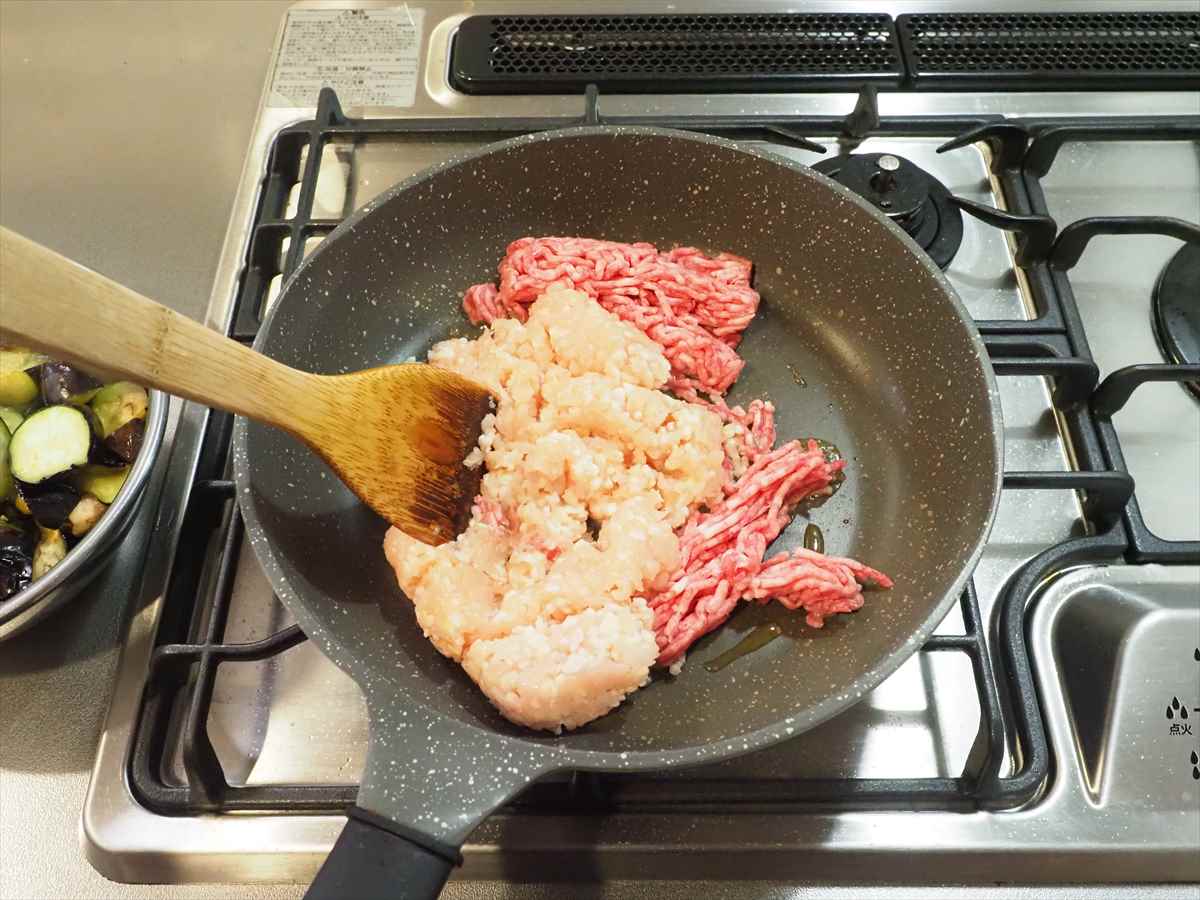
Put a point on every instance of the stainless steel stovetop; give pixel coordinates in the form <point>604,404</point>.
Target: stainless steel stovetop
<point>1115,646</point>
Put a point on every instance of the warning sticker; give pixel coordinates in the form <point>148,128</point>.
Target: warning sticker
<point>371,57</point>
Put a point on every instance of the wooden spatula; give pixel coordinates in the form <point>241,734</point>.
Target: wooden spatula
<point>396,435</point>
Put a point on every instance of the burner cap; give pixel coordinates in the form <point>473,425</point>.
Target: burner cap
<point>906,194</point>
<point>1176,306</point>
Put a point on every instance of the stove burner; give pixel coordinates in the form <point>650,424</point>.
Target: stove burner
<point>906,194</point>
<point>1176,305</point>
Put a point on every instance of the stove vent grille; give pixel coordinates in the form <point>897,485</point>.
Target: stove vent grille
<point>718,53</point>
<point>673,53</point>
<point>1051,51</point>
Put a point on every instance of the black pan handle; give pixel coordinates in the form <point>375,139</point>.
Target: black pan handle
<point>376,859</point>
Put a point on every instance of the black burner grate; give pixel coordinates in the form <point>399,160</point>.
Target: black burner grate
<point>191,642</point>
<point>1119,387</point>
<point>562,54</point>
<point>1047,51</point>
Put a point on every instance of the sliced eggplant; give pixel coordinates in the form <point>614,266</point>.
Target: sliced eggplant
<point>101,454</point>
<point>17,388</point>
<point>11,417</point>
<point>20,359</point>
<point>85,515</point>
<point>50,551</point>
<point>50,502</point>
<point>16,570</point>
<point>126,441</point>
<point>63,383</point>
<point>102,482</point>
<point>48,443</point>
<point>119,403</point>
<point>6,479</point>
<point>17,541</point>
<point>16,534</point>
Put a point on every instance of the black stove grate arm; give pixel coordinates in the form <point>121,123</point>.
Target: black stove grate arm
<point>1116,389</point>
<point>1105,494</point>
<point>1112,395</point>
<point>1032,759</point>
<point>1074,238</point>
<point>1006,141</point>
<point>1035,233</point>
<point>1074,378</point>
<point>990,743</point>
<point>1046,142</point>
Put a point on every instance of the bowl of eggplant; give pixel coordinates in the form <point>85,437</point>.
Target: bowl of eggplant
<point>75,456</point>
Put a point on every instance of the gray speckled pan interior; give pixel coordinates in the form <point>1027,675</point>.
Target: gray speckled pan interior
<point>859,340</point>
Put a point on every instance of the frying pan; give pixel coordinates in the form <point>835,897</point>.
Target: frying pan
<point>860,340</point>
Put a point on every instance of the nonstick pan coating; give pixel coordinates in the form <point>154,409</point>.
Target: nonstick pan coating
<point>860,341</point>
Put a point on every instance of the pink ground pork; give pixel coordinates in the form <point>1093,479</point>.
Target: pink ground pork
<point>696,308</point>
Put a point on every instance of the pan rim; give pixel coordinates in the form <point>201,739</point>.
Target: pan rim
<point>546,756</point>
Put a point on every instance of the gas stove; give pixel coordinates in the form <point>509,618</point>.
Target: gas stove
<point>1048,733</point>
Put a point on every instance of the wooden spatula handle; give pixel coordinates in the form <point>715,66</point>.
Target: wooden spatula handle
<point>64,309</point>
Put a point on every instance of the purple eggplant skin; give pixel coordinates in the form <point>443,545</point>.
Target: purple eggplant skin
<point>63,383</point>
<point>16,556</point>
<point>50,502</point>
<point>16,570</point>
<point>16,535</point>
<point>101,454</point>
<point>126,441</point>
